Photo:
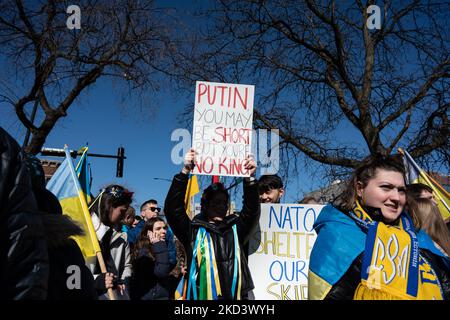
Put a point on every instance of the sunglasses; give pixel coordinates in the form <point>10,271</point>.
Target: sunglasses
<point>153,209</point>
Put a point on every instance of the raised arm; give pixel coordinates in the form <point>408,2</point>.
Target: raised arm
<point>174,208</point>
<point>251,207</point>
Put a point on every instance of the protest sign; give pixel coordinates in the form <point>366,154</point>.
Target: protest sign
<point>280,250</point>
<point>222,129</point>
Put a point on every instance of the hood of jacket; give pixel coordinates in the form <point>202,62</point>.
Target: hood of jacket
<point>59,229</point>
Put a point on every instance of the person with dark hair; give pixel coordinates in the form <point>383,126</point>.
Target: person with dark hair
<point>150,209</point>
<point>367,247</point>
<point>24,264</point>
<point>107,212</point>
<point>214,238</point>
<point>271,188</point>
<point>150,261</point>
<point>65,257</point>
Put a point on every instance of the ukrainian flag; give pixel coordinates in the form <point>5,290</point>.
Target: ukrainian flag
<point>66,187</point>
<point>414,174</point>
<point>191,190</point>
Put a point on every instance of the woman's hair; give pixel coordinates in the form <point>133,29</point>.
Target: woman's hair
<point>112,196</point>
<point>209,192</point>
<point>143,242</point>
<point>426,216</point>
<point>363,174</point>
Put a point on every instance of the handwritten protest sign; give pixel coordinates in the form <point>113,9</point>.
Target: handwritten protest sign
<point>222,130</point>
<point>280,250</point>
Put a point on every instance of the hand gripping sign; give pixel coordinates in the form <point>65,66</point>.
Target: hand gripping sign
<point>222,130</point>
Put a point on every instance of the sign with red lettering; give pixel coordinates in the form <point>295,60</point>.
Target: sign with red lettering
<point>222,130</point>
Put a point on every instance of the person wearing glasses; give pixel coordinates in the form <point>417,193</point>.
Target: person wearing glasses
<point>150,209</point>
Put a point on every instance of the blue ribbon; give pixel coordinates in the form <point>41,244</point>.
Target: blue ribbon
<point>193,270</point>
<point>236,264</point>
<point>214,289</point>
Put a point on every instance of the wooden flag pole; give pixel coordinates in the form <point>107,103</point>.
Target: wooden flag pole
<point>101,262</point>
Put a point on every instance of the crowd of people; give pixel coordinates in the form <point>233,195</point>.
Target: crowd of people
<point>381,239</point>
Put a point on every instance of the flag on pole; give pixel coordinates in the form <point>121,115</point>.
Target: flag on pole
<point>66,187</point>
<point>180,292</point>
<point>414,174</point>
<point>192,190</point>
<point>84,175</point>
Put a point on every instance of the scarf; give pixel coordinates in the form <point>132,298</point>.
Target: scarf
<point>204,269</point>
<point>392,266</point>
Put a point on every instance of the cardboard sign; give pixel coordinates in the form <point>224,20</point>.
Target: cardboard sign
<point>222,130</point>
<point>280,250</point>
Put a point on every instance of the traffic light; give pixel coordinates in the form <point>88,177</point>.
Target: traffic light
<point>120,157</point>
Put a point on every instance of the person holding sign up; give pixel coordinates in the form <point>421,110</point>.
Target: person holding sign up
<point>213,240</point>
<point>367,247</point>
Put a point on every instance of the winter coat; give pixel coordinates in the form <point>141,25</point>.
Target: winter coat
<point>150,280</point>
<point>120,260</point>
<point>221,233</point>
<point>69,277</point>
<point>24,265</point>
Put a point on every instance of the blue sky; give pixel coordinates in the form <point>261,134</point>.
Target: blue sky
<point>100,119</point>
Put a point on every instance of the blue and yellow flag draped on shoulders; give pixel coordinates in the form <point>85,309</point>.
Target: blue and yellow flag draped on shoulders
<point>66,186</point>
<point>392,266</point>
<point>414,174</point>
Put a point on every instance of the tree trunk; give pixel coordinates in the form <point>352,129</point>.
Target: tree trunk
<point>40,134</point>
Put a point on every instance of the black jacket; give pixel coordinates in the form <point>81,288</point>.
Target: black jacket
<point>69,277</point>
<point>150,279</point>
<point>222,233</point>
<point>345,288</point>
<point>24,265</point>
